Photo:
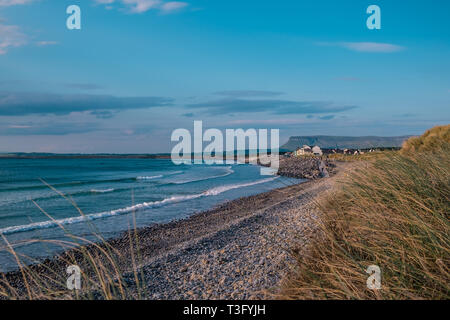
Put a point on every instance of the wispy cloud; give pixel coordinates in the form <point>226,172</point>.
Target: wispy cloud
<point>141,6</point>
<point>11,37</point>
<point>266,122</point>
<point>365,46</point>
<point>281,122</point>
<point>172,6</point>
<point>46,128</point>
<point>247,93</point>
<point>371,46</point>
<point>21,104</point>
<point>46,43</point>
<point>328,117</point>
<point>232,105</point>
<point>8,3</point>
<point>102,114</point>
<point>83,86</point>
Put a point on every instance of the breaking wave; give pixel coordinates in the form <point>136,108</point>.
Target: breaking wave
<point>228,171</point>
<point>145,205</point>
<point>149,177</point>
<point>102,191</point>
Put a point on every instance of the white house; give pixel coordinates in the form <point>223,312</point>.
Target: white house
<point>302,151</point>
<point>317,151</point>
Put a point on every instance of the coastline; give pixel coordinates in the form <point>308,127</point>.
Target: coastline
<point>236,250</point>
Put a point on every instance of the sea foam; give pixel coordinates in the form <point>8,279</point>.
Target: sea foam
<point>141,206</point>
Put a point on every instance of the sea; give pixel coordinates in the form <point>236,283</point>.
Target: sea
<point>44,200</point>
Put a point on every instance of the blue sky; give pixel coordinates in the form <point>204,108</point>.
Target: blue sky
<point>139,69</point>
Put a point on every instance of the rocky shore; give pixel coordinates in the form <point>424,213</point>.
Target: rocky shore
<point>239,250</point>
<point>311,168</point>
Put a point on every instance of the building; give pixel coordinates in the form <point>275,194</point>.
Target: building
<point>317,151</point>
<point>303,151</point>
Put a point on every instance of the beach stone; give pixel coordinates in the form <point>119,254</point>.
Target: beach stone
<point>237,250</point>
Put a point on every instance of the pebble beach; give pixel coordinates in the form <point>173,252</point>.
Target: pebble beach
<point>238,250</point>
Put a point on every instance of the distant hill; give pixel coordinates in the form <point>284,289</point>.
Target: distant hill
<point>329,142</point>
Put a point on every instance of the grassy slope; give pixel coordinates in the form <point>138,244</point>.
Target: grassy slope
<point>392,212</point>
<point>430,141</point>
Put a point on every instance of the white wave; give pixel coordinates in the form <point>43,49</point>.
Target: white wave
<point>158,176</point>
<point>102,191</point>
<point>95,216</point>
<point>228,171</point>
<point>149,177</point>
<point>145,205</point>
<point>174,172</point>
<point>218,190</point>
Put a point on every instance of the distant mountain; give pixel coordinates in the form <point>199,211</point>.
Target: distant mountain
<point>329,142</point>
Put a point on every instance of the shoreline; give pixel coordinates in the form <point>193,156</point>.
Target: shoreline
<point>169,250</point>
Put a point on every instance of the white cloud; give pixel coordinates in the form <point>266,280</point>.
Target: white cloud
<point>140,6</point>
<point>371,46</point>
<point>46,43</point>
<point>173,6</point>
<point>365,46</point>
<point>7,3</point>
<point>19,126</point>
<point>10,37</point>
<point>267,122</point>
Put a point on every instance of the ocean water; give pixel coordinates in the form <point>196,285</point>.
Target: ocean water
<point>41,197</point>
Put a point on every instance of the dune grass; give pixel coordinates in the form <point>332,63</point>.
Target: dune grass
<point>368,156</point>
<point>102,267</point>
<point>430,141</point>
<point>392,212</point>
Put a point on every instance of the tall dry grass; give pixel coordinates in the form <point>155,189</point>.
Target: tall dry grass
<point>103,267</point>
<point>368,156</point>
<point>431,141</point>
<point>394,213</point>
